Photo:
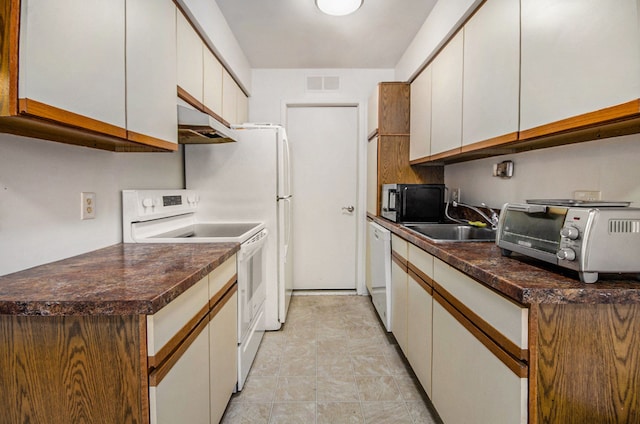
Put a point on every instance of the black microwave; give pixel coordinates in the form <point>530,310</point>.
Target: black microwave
<point>413,202</point>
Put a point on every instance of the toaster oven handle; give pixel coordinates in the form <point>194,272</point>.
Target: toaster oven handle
<point>527,208</point>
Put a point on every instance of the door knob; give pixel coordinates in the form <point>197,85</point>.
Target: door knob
<point>348,208</point>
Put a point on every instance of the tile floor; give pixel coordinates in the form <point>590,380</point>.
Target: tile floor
<point>332,362</point>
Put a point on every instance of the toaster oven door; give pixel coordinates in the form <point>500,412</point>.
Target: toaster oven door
<point>535,234</point>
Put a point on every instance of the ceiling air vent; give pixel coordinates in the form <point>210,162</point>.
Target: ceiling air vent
<point>316,83</point>
<point>617,226</point>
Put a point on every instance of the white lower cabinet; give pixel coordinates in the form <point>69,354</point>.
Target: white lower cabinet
<point>465,356</point>
<point>419,332</point>
<point>470,384</point>
<point>182,396</point>
<point>223,333</point>
<point>399,280</point>
<point>192,350</point>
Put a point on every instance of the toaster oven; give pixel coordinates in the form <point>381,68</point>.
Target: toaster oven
<point>590,238</point>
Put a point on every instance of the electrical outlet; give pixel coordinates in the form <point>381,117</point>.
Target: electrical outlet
<point>588,195</point>
<point>455,195</point>
<point>88,205</point>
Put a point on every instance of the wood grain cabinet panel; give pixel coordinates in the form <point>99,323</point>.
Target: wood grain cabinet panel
<point>74,369</point>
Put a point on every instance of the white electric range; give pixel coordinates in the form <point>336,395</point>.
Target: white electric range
<point>170,216</point>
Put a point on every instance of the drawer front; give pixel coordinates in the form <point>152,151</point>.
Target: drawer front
<point>421,259</point>
<point>221,276</point>
<point>176,317</point>
<point>509,319</point>
<point>399,246</point>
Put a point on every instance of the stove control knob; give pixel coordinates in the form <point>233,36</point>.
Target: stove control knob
<point>570,232</point>
<point>147,202</point>
<point>566,254</point>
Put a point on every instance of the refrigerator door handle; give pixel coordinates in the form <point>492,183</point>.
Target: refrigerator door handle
<point>284,197</point>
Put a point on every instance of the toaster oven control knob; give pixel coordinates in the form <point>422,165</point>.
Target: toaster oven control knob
<point>570,232</point>
<point>566,254</point>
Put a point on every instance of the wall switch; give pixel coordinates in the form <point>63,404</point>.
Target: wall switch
<point>588,195</point>
<point>455,195</point>
<point>88,205</point>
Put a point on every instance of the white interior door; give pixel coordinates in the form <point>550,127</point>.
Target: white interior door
<point>324,157</point>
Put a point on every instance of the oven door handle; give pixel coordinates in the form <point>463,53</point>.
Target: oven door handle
<point>251,246</point>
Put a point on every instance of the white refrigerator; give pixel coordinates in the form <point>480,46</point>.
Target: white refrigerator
<point>250,180</point>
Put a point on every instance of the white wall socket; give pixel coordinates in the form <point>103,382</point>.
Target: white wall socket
<point>588,195</point>
<point>88,205</point>
<point>455,195</point>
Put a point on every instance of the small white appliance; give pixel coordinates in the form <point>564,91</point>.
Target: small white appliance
<point>169,216</point>
<point>250,180</point>
<point>379,281</point>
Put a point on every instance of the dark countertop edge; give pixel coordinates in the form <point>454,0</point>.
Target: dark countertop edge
<point>114,307</point>
<point>551,288</point>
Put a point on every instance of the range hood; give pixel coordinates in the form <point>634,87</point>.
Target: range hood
<point>195,127</point>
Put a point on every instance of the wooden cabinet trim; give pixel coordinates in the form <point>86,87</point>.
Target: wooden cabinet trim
<point>156,375</point>
<point>497,337</point>
<point>446,154</point>
<point>41,110</point>
<point>518,368</point>
<point>492,142</point>
<point>10,17</point>
<point>223,301</point>
<point>418,279</point>
<point>420,274</point>
<point>143,371</point>
<point>399,260</point>
<point>222,292</point>
<point>622,111</point>
<point>151,141</point>
<point>184,95</point>
<point>171,346</point>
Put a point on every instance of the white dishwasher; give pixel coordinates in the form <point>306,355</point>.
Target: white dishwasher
<point>379,282</point>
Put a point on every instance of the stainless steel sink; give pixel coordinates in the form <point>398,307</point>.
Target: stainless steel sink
<point>441,233</point>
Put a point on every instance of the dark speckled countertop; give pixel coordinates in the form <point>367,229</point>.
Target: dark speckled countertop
<point>124,279</point>
<point>523,279</point>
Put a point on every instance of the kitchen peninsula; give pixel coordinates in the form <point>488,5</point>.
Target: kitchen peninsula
<point>93,338</point>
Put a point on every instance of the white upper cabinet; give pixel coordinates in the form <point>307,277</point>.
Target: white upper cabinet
<point>72,57</point>
<point>229,98</point>
<point>212,83</point>
<point>190,59</point>
<point>491,72</point>
<point>577,57</point>
<point>243,107</point>
<point>446,100</point>
<point>151,69</point>
<point>420,133</point>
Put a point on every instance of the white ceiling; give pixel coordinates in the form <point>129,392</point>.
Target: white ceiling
<point>295,34</point>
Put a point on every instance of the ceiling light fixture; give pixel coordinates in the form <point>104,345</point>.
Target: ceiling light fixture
<point>338,7</point>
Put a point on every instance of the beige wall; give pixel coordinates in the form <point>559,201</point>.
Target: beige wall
<point>40,185</point>
<point>609,165</point>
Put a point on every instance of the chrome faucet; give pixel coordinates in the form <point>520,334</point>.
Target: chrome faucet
<point>493,220</point>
